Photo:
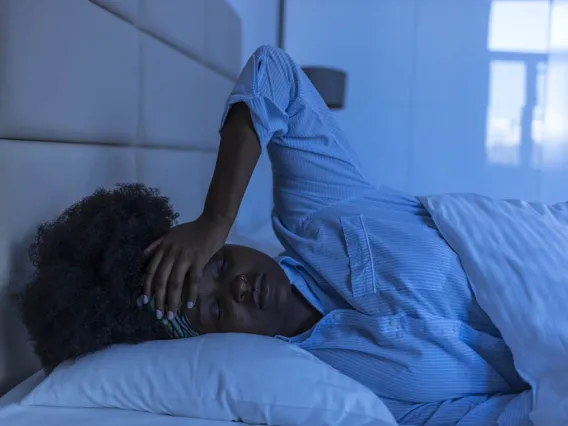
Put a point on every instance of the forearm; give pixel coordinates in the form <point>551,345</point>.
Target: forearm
<point>238,155</point>
<point>242,140</point>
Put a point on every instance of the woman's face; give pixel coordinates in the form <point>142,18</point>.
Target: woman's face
<point>242,291</point>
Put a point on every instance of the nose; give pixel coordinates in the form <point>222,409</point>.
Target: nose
<point>240,288</point>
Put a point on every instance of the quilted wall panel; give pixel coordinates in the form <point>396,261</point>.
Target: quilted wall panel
<point>88,72</point>
<point>67,72</point>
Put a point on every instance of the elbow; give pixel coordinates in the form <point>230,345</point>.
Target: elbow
<point>278,63</point>
<point>272,56</point>
<point>267,50</point>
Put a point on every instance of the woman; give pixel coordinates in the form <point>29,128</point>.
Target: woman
<point>366,283</point>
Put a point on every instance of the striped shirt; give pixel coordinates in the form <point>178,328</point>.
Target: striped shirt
<point>399,315</point>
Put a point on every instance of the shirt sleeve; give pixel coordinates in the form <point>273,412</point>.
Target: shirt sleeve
<point>313,165</point>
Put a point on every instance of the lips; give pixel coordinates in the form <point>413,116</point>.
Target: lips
<point>260,291</point>
<point>264,292</point>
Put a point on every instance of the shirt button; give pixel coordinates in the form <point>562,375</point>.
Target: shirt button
<point>394,323</point>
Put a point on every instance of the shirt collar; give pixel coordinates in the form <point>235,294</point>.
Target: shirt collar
<point>292,270</point>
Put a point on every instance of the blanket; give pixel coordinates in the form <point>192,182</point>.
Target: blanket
<point>515,255</point>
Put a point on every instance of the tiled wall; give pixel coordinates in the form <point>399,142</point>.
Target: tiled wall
<point>95,93</point>
<point>447,95</point>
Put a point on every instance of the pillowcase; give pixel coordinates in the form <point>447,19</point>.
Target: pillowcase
<point>240,377</point>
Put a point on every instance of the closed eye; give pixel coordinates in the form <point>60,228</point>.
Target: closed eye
<point>219,311</point>
<point>221,263</point>
<point>215,311</point>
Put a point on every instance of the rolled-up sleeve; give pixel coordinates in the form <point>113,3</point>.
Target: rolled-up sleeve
<point>266,84</point>
<point>313,165</point>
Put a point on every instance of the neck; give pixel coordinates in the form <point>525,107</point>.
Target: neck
<point>302,315</point>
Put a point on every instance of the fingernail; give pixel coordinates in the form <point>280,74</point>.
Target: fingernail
<point>159,314</point>
<point>170,315</point>
<point>189,305</point>
<point>146,300</point>
<point>139,302</point>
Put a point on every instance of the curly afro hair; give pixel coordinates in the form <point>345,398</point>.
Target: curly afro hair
<point>89,268</point>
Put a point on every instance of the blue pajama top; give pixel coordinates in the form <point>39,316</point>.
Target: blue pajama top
<point>399,315</point>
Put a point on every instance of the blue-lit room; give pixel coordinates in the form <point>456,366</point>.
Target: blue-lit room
<point>284,212</point>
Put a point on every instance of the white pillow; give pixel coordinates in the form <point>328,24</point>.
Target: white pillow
<point>248,378</point>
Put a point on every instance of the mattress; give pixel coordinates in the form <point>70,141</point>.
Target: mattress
<point>14,414</point>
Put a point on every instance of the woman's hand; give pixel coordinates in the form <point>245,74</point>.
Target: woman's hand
<point>186,248</point>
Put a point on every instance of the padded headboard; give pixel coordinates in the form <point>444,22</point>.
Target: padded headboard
<point>98,92</point>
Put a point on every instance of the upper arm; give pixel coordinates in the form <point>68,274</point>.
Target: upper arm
<point>313,164</point>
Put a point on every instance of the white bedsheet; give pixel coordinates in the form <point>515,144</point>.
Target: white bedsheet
<point>14,414</point>
<point>515,255</point>
<point>17,415</point>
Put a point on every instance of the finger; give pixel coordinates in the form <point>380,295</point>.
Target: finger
<point>195,276</point>
<point>150,273</point>
<point>161,279</point>
<point>153,247</point>
<point>175,285</point>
